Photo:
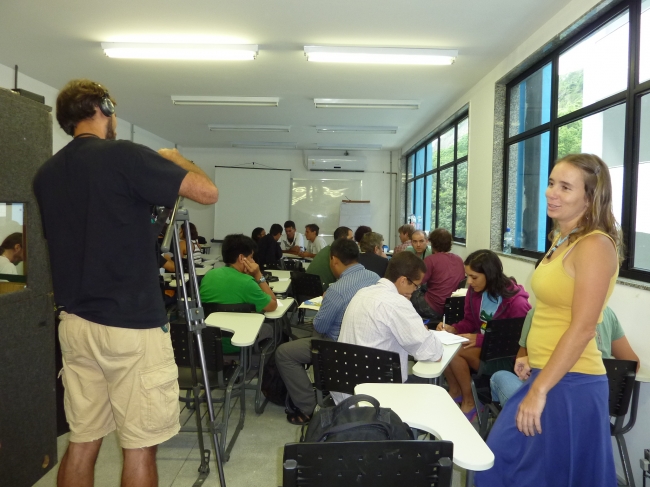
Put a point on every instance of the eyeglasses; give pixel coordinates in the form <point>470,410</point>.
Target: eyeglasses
<point>417,287</point>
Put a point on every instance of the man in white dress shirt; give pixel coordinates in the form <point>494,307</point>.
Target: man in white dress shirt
<point>382,316</point>
<point>314,243</point>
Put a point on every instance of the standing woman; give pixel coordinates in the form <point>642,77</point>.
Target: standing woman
<point>491,295</point>
<point>555,430</point>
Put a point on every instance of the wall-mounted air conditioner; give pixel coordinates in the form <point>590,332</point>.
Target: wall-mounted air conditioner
<point>339,161</point>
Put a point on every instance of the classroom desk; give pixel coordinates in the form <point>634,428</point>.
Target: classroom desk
<point>205,248</point>
<point>294,256</point>
<point>245,328</point>
<point>280,274</point>
<point>643,375</point>
<point>280,287</point>
<point>430,408</point>
<point>433,370</point>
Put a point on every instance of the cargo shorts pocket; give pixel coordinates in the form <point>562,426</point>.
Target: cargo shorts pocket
<point>160,409</point>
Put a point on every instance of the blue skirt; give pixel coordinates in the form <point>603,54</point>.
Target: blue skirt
<point>574,449</point>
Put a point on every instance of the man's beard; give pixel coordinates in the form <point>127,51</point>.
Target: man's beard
<point>110,133</point>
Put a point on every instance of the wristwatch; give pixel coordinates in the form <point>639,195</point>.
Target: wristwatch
<point>261,280</point>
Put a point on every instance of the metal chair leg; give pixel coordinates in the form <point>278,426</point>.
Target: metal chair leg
<point>625,460</point>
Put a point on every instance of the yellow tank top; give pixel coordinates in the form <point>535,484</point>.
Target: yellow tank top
<point>553,288</point>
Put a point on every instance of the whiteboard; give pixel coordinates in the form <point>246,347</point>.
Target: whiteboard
<point>249,198</point>
<point>318,201</point>
<point>355,214</point>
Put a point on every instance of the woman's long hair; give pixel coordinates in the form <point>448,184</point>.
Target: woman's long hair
<point>496,282</point>
<point>599,215</point>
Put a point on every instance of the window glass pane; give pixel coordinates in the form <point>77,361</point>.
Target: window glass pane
<point>461,200</point>
<point>463,138</point>
<point>419,162</point>
<point>409,167</point>
<point>530,102</point>
<point>644,65</point>
<point>527,179</point>
<point>595,68</point>
<point>446,198</point>
<point>602,134</point>
<point>432,184</point>
<point>432,155</point>
<point>419,203</point>
<point>447,147</point>
<point>409,200</point>
<point>426,223</point>
<point>642,235</point>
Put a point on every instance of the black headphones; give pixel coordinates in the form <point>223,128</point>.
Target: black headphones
<point>106,105</point>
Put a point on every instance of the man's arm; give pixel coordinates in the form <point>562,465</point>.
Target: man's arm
<point>196,185</point>
<point>622,350</point>
<point>331,310</point>
<point>253,269</point>
<point>409,331</point>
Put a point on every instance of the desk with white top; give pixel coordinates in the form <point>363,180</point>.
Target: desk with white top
<point>430,408</point>
<point>433,370</point>
<point>280,287</point>
<point>245,328</point>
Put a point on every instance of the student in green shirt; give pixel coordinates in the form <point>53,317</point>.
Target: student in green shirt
<point>320,264</point>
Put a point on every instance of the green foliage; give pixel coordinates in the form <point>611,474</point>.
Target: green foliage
<point>570,92</point>
<point>569,139</point>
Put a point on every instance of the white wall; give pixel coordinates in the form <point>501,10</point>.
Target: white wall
<point>630,304</point>
<point>376,184</point>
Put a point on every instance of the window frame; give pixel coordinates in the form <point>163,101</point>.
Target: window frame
<point>425,145</point>
<point>630,97</point>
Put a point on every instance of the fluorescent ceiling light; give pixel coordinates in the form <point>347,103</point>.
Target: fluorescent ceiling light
<point>249,128</point>
<point>361,103</point>
<point>332,129</point>
<point>227,101</point>
<point>210,52</point>
<point>349,146</point>
<point>265,145</point>
<point>380,55</point>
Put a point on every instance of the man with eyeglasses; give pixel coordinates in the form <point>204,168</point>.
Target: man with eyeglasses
<point>382,316</point>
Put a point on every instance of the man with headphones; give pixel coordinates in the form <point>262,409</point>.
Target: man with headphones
<point>95,196</point>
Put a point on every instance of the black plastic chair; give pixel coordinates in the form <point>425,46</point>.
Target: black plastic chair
<point>368,464</point>
<point>498,352</point>
<point>623,391</point>
<point>303,287</point>
<point>293,265</point>
<point>274,266</point>
<point>341,367</point>
<point>454,310</point>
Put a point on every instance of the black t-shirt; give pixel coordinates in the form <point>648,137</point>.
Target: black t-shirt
<point>268,250</point>
<point>95,198</point>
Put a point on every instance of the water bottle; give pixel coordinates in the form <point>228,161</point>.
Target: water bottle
<point>507,241</point>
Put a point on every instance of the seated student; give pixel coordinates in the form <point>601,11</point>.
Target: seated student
<point>291,356</point>
<point>382,316</point>
<point>292,242</point>
<point>240,281</point>
<point>405,233</point>
<point>197,256</point>
<point>372,255</point>
<point>419,245</point>
<point>315,243</point>
<point>610,339</point>
<point>268,248</point>
<point>444,272</point>
<point>258,233</point>
<point>360,232</point>
<point>491,296</point>
<point>11,253</point>
<point>320,264</point>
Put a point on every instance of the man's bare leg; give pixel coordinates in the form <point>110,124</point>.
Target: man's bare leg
<point>140,467</point>
<point>77,467</point>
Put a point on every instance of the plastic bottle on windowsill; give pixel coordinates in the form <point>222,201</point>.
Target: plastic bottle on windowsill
<point>507,241</point>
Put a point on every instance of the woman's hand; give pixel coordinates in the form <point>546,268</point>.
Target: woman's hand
<point>472,340</point>
<point>529,415</point>
<point>522,368</point>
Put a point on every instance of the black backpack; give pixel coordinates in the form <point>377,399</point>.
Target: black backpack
<point>273,386</point>
<point>345,423</point>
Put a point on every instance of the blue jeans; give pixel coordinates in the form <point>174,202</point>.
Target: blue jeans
<point>503,385</point>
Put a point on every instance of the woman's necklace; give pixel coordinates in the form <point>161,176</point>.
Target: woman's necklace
<point>559,242</point>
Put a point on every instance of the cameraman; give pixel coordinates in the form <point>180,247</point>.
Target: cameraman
<point>118,364</point>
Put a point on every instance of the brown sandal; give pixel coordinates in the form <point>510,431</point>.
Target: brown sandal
<point>298,418</point>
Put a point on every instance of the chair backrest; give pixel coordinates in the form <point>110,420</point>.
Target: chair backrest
<point>462,284</point>
<point>277,266</point>
<point>454,309</point>
<point>341,367</point>
<point>305,286</point>
<point>211,346</point>
<point>368,464</point>
<point>621,375</point>
<point>228,308</point>
<point>293,265</point>
<point>501,339</point>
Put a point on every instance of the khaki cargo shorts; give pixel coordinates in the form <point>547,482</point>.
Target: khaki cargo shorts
<point>118,379</point>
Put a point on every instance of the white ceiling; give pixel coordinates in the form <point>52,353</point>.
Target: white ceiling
<point>57,41</point>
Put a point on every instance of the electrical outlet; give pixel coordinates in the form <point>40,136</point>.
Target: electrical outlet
<point>646,454</point>
<point>645,464</point>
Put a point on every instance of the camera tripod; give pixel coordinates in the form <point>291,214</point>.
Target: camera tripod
<point>189,299</point>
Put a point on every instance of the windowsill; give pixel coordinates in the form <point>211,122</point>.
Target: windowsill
<point>460,244</point>
<point>621,280</point>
